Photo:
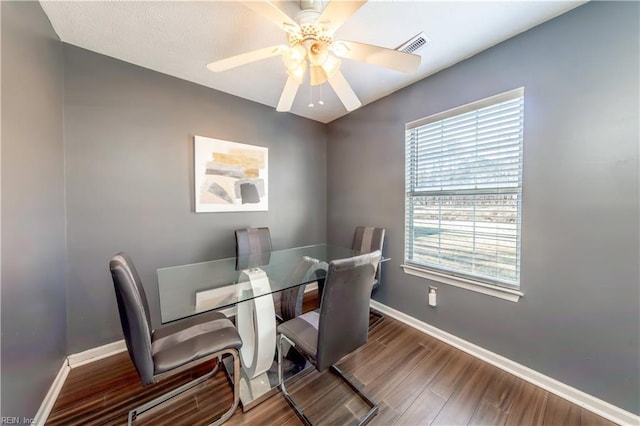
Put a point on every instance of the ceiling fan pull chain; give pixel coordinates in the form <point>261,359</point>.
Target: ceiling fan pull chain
<point>310,96</point>
<point>321,102</point>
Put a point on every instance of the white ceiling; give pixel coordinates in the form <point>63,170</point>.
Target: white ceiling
<point>180,38</point>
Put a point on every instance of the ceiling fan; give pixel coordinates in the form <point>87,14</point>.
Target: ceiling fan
<point>311,47</point>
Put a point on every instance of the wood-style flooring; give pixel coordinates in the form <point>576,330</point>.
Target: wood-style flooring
<point>416,380</point>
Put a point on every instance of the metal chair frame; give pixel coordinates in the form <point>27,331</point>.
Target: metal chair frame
<point>143,408</point>
<point>361,421</point>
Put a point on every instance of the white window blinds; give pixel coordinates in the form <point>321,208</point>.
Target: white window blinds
<point>463,190</point>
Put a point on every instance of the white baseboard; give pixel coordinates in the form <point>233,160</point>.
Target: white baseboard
<point>589,402</point>
<point>52,395</point>
<point>94,354</point>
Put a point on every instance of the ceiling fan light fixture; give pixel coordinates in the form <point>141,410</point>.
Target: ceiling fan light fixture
<point>294,56</point>
<point>317,75</point>
<point>318,52</point>
<point>297,73</point>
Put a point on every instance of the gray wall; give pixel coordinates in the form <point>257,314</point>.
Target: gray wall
<point>129,181</point>
<point>579,320</point>
<point>33,223</point>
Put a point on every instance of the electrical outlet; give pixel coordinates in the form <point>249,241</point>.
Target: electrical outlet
<point>433,296</point>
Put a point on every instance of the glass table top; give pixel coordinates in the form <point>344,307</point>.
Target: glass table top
<point>188,290</point>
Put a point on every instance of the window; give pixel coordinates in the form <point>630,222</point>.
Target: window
<point>464,192</point>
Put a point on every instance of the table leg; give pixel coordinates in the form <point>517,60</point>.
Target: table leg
<point>256,323</point>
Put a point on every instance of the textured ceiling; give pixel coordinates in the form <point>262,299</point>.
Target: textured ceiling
<point>180,38</point>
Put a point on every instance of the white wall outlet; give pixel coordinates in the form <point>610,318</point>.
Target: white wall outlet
<point>433,296</point>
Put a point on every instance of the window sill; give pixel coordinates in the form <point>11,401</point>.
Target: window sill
<point>479,287</point>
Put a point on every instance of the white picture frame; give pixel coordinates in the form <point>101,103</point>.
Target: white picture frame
<point>230,176</point>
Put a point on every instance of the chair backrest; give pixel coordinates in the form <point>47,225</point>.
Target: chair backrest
<point>134,315</point>
<point>252,240</point>
<point>291,299</point>
<point>368,239</point>
<point>344,309</point>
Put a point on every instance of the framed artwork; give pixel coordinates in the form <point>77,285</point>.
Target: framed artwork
<point>230,176</point>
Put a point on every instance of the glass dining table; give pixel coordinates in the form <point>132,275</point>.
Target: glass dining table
<point>248,283</point>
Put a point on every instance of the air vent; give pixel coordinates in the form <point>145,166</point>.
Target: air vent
<point>415,43</point>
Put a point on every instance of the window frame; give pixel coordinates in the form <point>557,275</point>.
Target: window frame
<point>468,281</point>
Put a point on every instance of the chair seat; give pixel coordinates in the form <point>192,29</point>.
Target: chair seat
<point>177,344</point>
<point>303,332</point>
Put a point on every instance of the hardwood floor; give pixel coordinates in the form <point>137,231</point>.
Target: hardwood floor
<point>416,380</point>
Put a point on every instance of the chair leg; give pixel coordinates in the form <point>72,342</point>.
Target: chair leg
<point>236,389</point>
<point>134,413</point>
<point>141,409</point>
<point>374,407</point>
<point>362,421</point>
<point>286,395</point>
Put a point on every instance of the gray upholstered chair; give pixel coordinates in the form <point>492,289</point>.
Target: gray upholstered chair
<point>252,240</point>
<point>171,349</point>
<point>291,300</point>
<point>366,240</point>
<point>253,248</point>
<point>253,244</point>
<point>340,326</point>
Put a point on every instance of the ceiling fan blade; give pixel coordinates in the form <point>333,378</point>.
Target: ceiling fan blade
<point>273,13</point>
<point>376,55</point>
<point>344,91</point>
<point>245,58</point>
<point>288,95</point>
<point>337,12</point>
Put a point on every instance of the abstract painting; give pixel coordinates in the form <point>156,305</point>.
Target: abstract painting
<point>230,176</point>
